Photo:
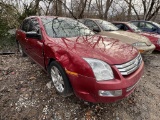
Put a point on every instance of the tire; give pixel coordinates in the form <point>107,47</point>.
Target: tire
<point>20,50</point>
<point>60,79</point>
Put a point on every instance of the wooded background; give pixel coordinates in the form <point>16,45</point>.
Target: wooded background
<point>12,12</point>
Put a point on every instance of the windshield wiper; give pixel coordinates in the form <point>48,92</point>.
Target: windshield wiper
<point>111,30</point>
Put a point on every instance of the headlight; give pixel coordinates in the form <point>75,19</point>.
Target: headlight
<point>139,44</point>
<point>158,41</point>
<point>101,70</point>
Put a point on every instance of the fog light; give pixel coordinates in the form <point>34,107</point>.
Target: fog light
<point>113,93</point>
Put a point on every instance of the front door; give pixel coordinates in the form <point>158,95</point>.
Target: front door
<point>35,45</point>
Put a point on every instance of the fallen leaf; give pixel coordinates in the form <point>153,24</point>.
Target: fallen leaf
<point>49,85</point>
<point>130,101</point>
<point>12,73</point>
<point>32,78</point>
<point>88,115</point>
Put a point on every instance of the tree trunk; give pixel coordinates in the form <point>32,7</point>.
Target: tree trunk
<point>83,6</point>
<point>129,10</point>
<point>59,7</point>
<point>100,8</point>
<point>108,5</point>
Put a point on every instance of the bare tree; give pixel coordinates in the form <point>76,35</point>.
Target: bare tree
<point>100,7</point>
<point>108,5</point>
<point>129,10</point>
<point>82,8</point>
<point>150,8</point>
<point>118,11</point>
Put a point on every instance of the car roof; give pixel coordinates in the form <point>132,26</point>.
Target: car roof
<point>120,22</point>
<point>91,19</point>
<point>139,21</point>
<point>45,17</point>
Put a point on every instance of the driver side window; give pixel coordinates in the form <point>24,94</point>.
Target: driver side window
<point>34,25</point>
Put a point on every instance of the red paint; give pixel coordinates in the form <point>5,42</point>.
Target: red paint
<point>69,53</point>
<point>153,38</point>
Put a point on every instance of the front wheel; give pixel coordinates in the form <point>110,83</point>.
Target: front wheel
<point>60,79</point>
<point>20,50</point>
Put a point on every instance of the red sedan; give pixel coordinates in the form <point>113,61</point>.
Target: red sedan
<point>154,38</point>
<point>95,68</point>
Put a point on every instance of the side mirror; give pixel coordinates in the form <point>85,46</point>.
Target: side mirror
<point>33,35</point>
<point>96,29</point>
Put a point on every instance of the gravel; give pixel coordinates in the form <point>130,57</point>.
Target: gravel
<point>27,93</point>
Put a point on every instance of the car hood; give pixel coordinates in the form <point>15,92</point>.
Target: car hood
<point>127,37</point>
<point>103,48</point>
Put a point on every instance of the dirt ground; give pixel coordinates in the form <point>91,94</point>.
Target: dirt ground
<point>26,93</point>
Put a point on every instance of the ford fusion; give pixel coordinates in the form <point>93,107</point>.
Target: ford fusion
<point>94,68</point>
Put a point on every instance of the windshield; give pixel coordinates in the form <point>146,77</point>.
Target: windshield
<point>107,26</point>
<point>158,25</point>
<point>65,27</point>
<point>133,27</point>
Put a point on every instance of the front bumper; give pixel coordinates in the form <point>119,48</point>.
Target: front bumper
<point>146,49</point>
<point>88,88</point>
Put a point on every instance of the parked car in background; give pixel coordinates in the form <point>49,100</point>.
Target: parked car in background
<point>96,68</point>
<point>103,27</point>
<point>147,26</point>
<point>126,26</point>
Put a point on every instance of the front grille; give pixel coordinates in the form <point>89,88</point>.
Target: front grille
<point>131,66</point>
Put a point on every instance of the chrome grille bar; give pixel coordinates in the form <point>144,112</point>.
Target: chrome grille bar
<point>131,66</point>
